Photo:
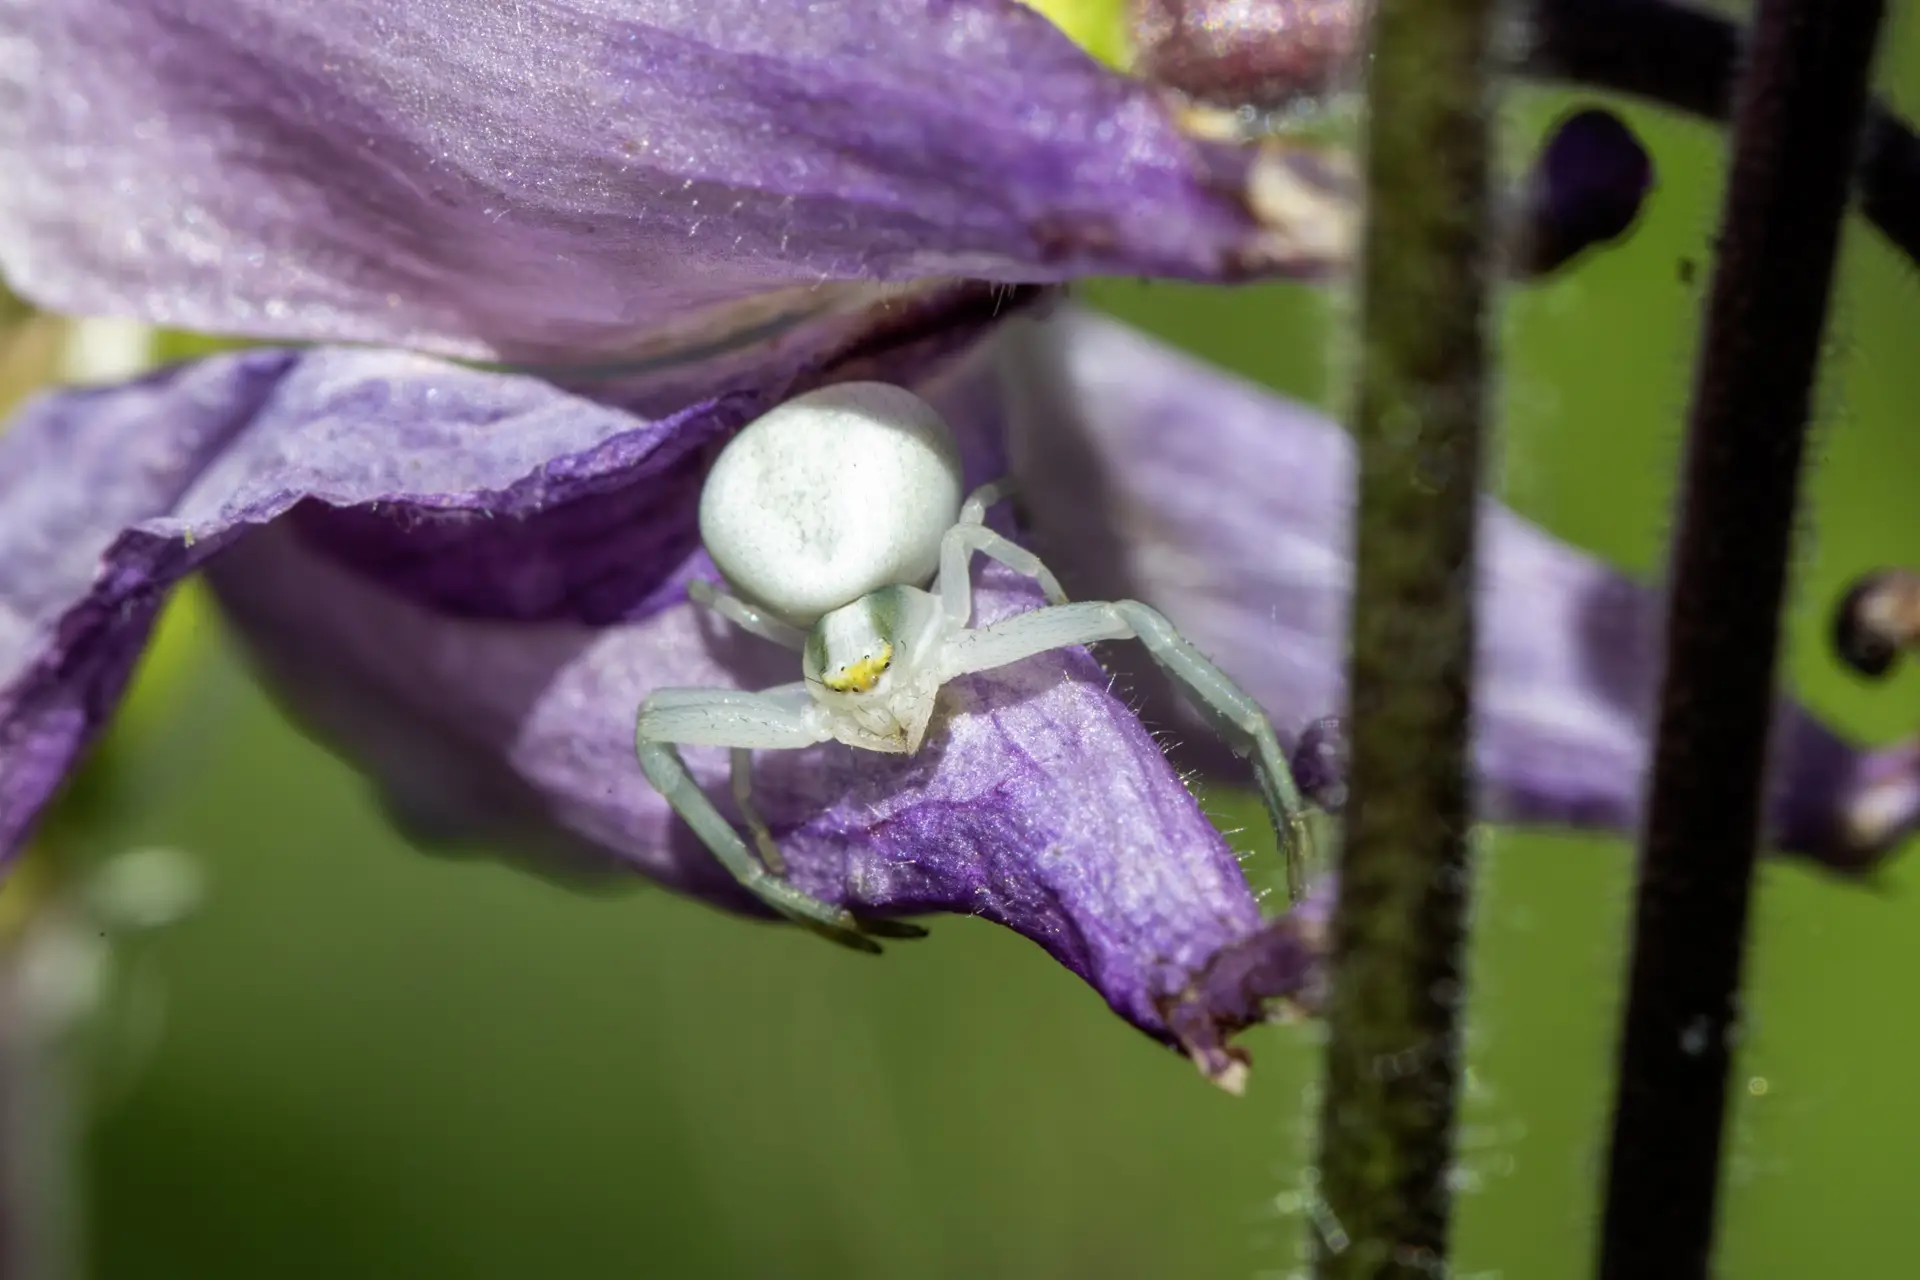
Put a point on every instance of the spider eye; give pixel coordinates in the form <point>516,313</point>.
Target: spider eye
<point>861,675</point>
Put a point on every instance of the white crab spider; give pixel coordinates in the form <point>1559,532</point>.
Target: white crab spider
<point>826,516</point>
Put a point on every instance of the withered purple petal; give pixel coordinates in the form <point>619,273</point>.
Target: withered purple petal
<point>336,500</point>
<point>1148,473</point>
<point>576,179</point>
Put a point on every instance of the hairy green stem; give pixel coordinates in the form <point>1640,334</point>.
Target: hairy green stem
<point>1393,1060</point>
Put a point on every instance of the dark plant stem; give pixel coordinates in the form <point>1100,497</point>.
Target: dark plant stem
<point>1798,121</point>
<point>1677,55</point>
<point>1393,1060</point>
<point>1686,58</point>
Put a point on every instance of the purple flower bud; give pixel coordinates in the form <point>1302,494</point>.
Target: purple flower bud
<point>1585,189</point>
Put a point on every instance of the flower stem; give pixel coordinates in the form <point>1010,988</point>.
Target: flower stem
<point>1393,1059</point>
<point>1798,123</point>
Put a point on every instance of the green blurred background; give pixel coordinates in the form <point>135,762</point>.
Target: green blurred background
<point>377,1065</point>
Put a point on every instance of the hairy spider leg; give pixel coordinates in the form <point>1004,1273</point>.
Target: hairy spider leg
<point>747,617</point>
<point>784,717</point>
<point>959,544</point>
<point>1235,715</point>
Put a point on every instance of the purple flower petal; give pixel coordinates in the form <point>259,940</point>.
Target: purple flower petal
<point>108,497</point>
<point>1150,474</point>
<point>468,581</point>
<point>591,179</point>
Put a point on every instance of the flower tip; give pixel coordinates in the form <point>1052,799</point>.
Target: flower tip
<point>1320,763</point>
<point>1877,617</point>
<point>1879,811</point>
<point>1227,1067</point>
<point>1874,794</point>
<point>1273,974</point>
<point>1585,189</point>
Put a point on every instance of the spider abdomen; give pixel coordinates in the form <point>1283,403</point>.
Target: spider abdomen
<point>830,496</point>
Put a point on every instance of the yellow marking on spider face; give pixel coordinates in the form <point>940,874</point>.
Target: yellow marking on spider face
<point>858,677</point>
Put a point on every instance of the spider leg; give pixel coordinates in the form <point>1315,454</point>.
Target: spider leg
<point>747,617</point>
<point>985,498</point>
<point>968,536</point>
<point>1243,723</point>
<point>741,777</point>
<point>1235,715</point>
<point>785,717</point>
